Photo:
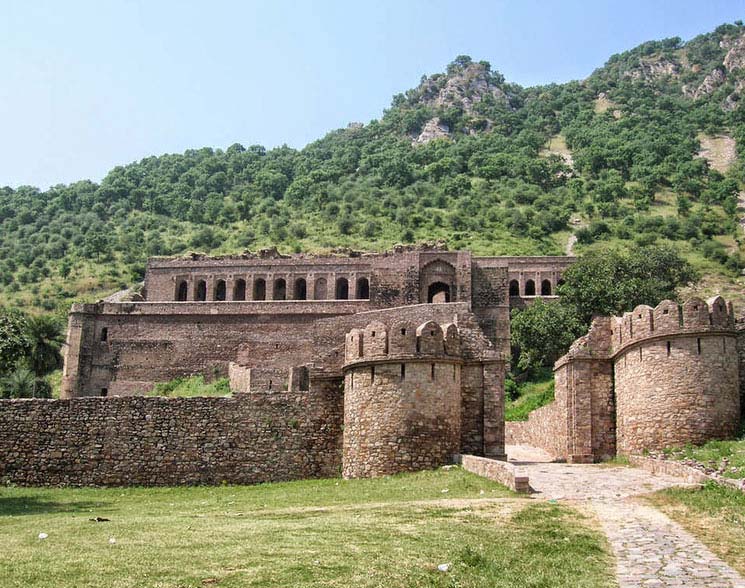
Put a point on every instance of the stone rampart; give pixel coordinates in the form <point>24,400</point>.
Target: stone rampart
<point>402,399</point>
<point>245,439</point>
<point>676,375</point>
<point>653,378</point>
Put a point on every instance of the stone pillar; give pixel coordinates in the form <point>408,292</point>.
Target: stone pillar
<point>587,386</point>
<point>78,351</point>
<point>493,390</point>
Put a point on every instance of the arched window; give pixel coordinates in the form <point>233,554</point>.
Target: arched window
<point>280,289</point>
<point>301,289</point>
<point>560,282</point>
<point>342,289</point>
<point>201,291</point>
<point>363,289</point>
<point>260,289</point>
<point>182,291</point>
<point>319,289</point>
<point>438,293</point>
<point>546,288</point>
<point>239,289</point>
<point>530,288</point>
<point>514,288</point>
<point>220,291</point>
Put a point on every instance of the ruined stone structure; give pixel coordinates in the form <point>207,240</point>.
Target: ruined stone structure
<point>363,365</point>
<point>653,378</point>
<point>199,314</point>
<point>386,363</point>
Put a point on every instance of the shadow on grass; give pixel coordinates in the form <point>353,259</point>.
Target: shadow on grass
<point>29,505</point>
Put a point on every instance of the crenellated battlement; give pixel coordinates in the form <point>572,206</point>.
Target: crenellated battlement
<point>402,340</point>
<point>669,318</point>
<point>652,378</point>
<point>608,337</point>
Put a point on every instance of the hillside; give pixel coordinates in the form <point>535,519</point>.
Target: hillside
<point>646,149</point>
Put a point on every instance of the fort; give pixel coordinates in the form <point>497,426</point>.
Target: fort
<point>360,365</point>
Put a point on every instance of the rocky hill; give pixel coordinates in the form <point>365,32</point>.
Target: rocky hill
<point>646,149</point>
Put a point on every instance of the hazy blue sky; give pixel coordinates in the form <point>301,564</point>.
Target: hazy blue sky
<point>90,85</point>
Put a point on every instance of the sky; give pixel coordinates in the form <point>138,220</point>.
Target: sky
<point>90,85</point>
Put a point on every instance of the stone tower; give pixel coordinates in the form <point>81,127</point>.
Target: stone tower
<point>676,375</point>
<point>402,399</point>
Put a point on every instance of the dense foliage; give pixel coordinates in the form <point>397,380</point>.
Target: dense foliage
<point>611,282</point>
<point>489,186</point>
<point>29,351</point>
<point>600,283</point>
<point>543,332</point>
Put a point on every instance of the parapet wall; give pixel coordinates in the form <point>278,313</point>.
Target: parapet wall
<point>669,318</point>
<point>409,396</point>
<point>246,439</point>
<point>676,375</point>
<point>651,379</point>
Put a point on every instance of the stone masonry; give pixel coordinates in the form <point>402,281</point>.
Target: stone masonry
<point>651,379</point>
<point>360,364</point>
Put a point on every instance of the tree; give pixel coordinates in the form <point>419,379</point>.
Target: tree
<point>45,337</point>
<point>543,332</point>
<point>23,384</point>
<point>606,281</point>
<point>14,344</point>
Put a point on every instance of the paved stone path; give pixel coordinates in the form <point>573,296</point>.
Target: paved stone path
<point>650,549</point>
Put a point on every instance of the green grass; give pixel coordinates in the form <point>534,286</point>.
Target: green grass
<point>531,395</point>
<point>713,453</point>
<point>392,531</point>
<point>55,381</point>
<point>192,386</point>
<point>715,514</point>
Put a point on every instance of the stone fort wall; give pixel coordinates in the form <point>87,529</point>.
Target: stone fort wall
<point>286,418</point>
<point>402,401</point>
<point>676,375</point>
<point>245,439</point>
<point>122,349</point>
<point>653,378</point>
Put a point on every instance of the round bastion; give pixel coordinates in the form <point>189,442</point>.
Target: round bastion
<point>676,375</point>
<point>402,400</point>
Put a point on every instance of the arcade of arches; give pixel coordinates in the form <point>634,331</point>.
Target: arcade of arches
<point>219,290</point>
<point>531,288</point>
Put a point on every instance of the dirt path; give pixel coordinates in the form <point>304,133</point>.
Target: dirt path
<point>571,241</point>
<point>650,549</point>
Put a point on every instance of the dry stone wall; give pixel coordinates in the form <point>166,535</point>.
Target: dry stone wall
<point>651,379</point>
<point>245,439</point>
<point>405,385</point>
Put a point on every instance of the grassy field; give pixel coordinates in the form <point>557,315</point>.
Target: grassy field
<point>531,395</point>
<point>714,454</point>
<point>389,532</point>
<point>192,386</point>
<point>714,514</point>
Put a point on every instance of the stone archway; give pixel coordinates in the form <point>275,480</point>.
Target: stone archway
<point>437,279</point>
<point>438,293</point>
